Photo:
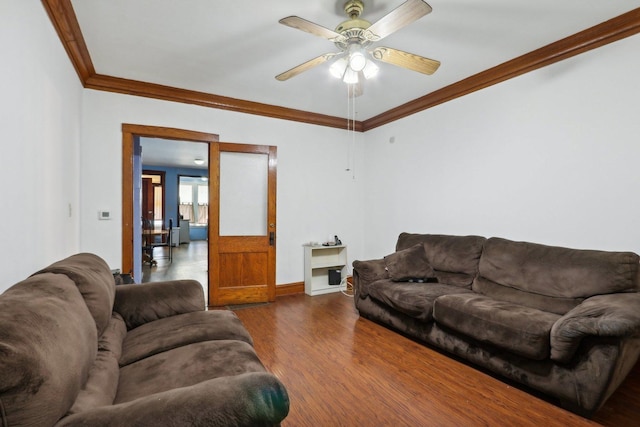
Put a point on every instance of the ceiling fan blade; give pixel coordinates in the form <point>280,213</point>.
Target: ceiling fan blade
<point>408,12</point>
<point>406,60</point>
<point>305,66</point>
<point>311,28</point>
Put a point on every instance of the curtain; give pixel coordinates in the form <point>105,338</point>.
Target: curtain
<point>203,213</point>
<point>186,211</point>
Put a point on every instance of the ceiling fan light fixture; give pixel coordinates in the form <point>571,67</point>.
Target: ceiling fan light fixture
<point>350,76</point>
<point>370,70</point>
<point>357,61</point>
<point>338,68</point>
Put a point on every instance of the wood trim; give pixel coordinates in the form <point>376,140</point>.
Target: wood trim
<point>597,36</point>
<point>289,289</point>
<point>64,20</point>
<point>245,148</point>
<point>214,226</point>
<point>168,93</point>
<point>169,133</point>
<point>66,24</point>
<point>271,220</point>
<point>127,202</point>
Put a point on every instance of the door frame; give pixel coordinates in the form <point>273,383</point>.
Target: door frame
<point>129,132</point>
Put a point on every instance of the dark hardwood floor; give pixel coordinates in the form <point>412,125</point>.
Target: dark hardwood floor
<point>341,370</point>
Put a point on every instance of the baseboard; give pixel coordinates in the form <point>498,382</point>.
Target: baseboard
<point>289,289</point>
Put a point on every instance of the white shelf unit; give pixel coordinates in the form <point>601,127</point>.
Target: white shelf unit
<point>318,260</point>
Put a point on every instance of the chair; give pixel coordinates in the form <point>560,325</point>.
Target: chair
<point>149,234</point>
<point>148,239</point>
<point>166,242</point>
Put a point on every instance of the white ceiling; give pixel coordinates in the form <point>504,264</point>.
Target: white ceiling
<point>236,48</point>
<point>171,153</point>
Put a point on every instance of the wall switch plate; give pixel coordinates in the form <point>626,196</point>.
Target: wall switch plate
<point>104,215</point>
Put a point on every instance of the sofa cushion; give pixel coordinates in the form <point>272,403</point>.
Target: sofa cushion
<point>176,331</point>
<point>95,281</point>
<point>612,315</point>
<point>47,346</point>
<point>251,399</point>
<point>371,270</point>
<point>367,272</point>
<point>409,264</point>
<point>558,272</point>
<point>185,366</point>
<point>516,328</point>
<point>454,254</point>
<point>147,302</point>
<point>556,305</point>
<point>413,299</point>
<point>454,279</point>
<point>102,384</point>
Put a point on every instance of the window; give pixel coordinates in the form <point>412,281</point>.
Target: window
<point>194,200</point>
<point>186,201</point>
<point>203,204</point>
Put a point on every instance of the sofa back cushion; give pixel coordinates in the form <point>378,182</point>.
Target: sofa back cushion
<point>454,258</point>
<point>409,264</point>
<point>95,282</point>
<point>500,292</point>
<point>552,278</point>
<point>102,384</point>
<point>47,346</point>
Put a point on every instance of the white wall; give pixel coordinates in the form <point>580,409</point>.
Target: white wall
<point>40,114</point>
<point>549,157</point>
<point>316,196</point>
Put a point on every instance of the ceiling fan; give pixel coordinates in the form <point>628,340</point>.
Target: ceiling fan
<point>355,36</point>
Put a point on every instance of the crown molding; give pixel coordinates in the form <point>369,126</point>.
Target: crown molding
<point>66,24</point>
<point>599,35</point>
<point>168,93</point>
<point>64,20</point>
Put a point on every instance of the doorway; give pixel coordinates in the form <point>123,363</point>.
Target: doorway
<point>132,185</point>
<point>153,195</point>
<point>241,257</point>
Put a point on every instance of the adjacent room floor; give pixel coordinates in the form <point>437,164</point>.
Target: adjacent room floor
<point>189,261</point>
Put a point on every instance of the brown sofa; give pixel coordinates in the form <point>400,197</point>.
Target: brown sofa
<point>562,321</point>
<point>75,349</point>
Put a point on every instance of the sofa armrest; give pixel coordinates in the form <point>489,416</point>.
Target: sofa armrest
<point>367,272</point>
<point>140,304</point>
<point>251,399</point>
<point>612,315</point>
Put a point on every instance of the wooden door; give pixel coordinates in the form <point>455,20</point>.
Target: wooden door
<point>147,202</point>
<point>242,224</point>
